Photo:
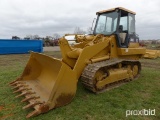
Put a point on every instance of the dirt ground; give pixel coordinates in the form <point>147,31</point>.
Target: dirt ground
<point>53,48</point>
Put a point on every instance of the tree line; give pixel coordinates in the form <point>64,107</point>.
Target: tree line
<point>53,40</point>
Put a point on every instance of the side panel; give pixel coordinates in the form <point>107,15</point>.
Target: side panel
<point>131,51</point>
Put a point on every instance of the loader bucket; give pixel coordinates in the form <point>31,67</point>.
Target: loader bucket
<point>46,83</point>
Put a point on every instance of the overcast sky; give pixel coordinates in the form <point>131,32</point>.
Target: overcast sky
<point>46,17</point>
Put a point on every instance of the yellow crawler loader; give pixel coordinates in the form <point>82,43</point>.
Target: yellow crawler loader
<point>152,54</point>
<point>102,60</point>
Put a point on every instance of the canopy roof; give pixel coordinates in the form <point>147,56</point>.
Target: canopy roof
<point>113,9</point>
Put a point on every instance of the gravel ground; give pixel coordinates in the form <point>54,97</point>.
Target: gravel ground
<point>55,48</point>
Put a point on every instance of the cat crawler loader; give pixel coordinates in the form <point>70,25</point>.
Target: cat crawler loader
<point>152,54</point>
<point>102,60</point>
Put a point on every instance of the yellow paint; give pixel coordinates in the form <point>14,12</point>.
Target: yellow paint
<point>152,54</point>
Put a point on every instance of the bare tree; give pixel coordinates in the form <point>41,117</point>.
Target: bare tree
<point>79,31</point>
<point>32,37</point>
<point>15,38</point>
<point>89,30</point>
<point>100,28</point>
<point>154,42</point>
<point>28,37</point>
<point>56,36</point>
<point>47,40</point>
<point>36,37</point>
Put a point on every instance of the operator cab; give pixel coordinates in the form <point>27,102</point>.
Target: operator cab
<point>119,22</point>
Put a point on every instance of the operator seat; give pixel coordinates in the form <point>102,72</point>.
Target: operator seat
<point>122,34</point>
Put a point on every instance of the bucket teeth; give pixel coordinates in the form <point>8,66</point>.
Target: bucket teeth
<point>17,82</point>
<point>31,105</point>
<point>24,93</point>
<point>19,86</point>
<point>15,87</point>
<point>29,98</point>
<point>14,83</point>
<point>19,95</point>
<point>22,89</point>
<point>19,90</point>
<point>33,113</point>
<point>18,79</point>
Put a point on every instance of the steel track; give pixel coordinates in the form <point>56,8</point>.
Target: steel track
<point>90,70</point>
